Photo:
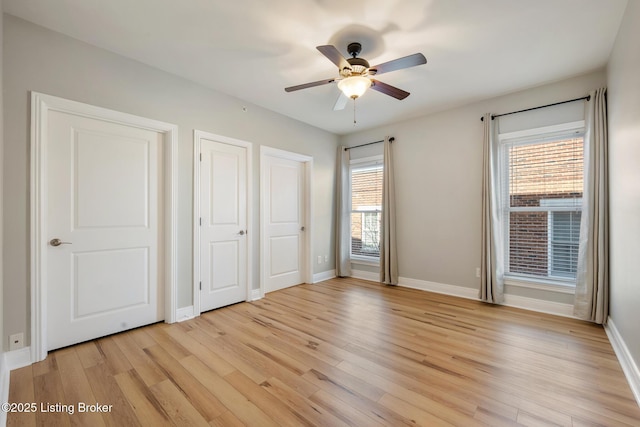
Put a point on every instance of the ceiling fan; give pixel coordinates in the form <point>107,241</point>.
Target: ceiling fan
<point>355,74</point>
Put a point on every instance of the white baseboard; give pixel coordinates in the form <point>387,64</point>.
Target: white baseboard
<point>629,366</point>
<point>4,387</point>
<point>539,305</point>
<point>365,275</point>
<point>324,275</point>
<point>184,313</point>
<point>17,359</point>
<point>439,288</point>
<point>255,295</point>
<point>9,361</point>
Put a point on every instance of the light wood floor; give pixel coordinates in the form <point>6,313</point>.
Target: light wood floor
<point>342,352</point>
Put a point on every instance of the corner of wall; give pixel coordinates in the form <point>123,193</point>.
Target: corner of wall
<point>629,366</point>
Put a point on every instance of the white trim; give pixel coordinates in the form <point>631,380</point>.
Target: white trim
<point>532,304</point>
<point>198,135</point>
<point>256,294</point>
<point>362,260</point>
<point>537,132</point>
<point>308,208</point>
<point>538,305</point>
<point>324,275</point>
<point>5,377</point>
<point>541,285</point>
<point>9,361</point>
<point>373,160</point>
<point>41,104</point>
<point>365,275</point>
<point>17,359</point>
<point>439,288</point>
<point>629,366</point>
<point>184,313</point>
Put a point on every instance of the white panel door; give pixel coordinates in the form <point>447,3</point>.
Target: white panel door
<point>283,181</point>
<point>223,229</point>
<point>103,227</point>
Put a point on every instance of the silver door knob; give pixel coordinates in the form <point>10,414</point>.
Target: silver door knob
<point>241,232</point>
<point>58,242</point>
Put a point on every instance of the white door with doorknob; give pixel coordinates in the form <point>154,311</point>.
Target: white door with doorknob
<point>223,221</point>
<point>104,227</point>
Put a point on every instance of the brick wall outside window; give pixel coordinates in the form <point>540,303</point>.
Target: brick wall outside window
<point>366,192</point>
<point>539,172</point>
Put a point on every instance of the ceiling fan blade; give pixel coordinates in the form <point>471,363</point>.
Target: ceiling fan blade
<point>388,89</point>
<point>341,102</point>
<point>398,64</point>
<point>306,85</point>
<point>334,56</point>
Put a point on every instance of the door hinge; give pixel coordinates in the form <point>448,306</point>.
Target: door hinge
<point>200,285</point>
<point>200,220</point>
<point>200,156</point>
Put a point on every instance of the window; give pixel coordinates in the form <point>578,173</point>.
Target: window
<point>366,206</point>
<point>542,185</point>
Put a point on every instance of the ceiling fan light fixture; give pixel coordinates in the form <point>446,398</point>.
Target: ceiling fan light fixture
<point>354,86</point>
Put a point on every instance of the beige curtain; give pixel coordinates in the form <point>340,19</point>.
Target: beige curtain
<point>592,284</point>
<point>343,214</point>
<point>492,257</point>
<point>388,247</point>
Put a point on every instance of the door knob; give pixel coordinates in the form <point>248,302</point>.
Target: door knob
<point>58,242</point>
<point>302,228</point>
<point>241,232</point>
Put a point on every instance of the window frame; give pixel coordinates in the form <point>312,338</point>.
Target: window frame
<point>528,137</point>
<point>372,162</point>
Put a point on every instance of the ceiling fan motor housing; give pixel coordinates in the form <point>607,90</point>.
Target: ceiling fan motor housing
<point>354,49</point>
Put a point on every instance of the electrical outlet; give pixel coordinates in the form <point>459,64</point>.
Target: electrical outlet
<point>319,259</point>
<point>477,271</point>
<point>326,258</point>
<point>16,341</point>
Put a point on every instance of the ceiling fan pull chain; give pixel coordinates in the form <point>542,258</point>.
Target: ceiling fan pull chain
<point>354,111</point>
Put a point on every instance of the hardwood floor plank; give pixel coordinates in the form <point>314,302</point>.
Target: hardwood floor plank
<point>21,391</point>
<point>107,392</point>
<point>76,388</point>
<point>48,390</point>
<point>89,354</point>
<point>139,360</point>
<point>231,398</point>
<point>341,352</point>
<point>343,411</point>
<point>311,411</point>
<point>278,410</point>
<point>113,356</point>
<point>176,405</point>
<point>199,397</point>
<point>227,419</point>
<point>143,402</point>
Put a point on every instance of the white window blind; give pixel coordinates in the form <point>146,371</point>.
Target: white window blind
<point>366,205</point>
<point>543,184</point>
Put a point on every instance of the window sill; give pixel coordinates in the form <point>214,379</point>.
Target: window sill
<point>560,287</point>
<point>373,262</point>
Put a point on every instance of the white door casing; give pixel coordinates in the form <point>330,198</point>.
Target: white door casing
<point>286,224</point>
<point>222,239</point>
<point>105,182</point>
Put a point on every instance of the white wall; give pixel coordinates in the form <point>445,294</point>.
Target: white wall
<point>39,60</point>
<point>623,75</point>
<point>438,164</point>
<point>2,343</point>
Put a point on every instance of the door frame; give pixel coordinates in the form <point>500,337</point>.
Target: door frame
<point>198,135</point>
<point>265,151</point>
<point>41,104</point>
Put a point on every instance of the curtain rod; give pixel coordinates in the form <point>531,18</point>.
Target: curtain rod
<point>368,143</point>
<point>588,97</point>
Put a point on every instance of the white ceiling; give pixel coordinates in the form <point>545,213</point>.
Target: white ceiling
<point>253,49</point>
